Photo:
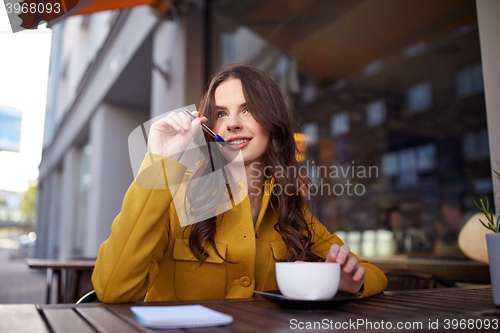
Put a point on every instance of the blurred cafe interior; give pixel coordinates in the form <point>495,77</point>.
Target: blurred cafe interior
<point>389,97</point>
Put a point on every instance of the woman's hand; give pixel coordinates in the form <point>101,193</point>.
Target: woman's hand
<point>352,274</point>
<point>170,136</point>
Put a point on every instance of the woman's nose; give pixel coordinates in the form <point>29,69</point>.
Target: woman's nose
<point>234,123</point>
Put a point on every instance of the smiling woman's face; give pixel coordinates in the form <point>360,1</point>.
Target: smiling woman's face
<point>236,125</point>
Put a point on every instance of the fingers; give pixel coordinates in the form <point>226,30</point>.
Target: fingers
<point>197,114</point>
<point>349,264</point>
<point>181,122</point>
<point>352,282</point>
<point>186,121</point>
<point>170,135</point>
<point>338,254</point>
<point>333,253</point>
<point>353,275</point>
<point>174,123</point>
<point>359,275</point>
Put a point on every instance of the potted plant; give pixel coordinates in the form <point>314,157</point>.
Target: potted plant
<point>493,243</point>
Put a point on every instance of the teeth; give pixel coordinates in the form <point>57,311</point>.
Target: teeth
<point>237,142</point>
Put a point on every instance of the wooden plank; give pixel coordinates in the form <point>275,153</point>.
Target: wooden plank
<point>401,305</point>
<point>260,315</point>
<point>245,319</point>
<point>449,302</point>
<point>104,320</point>
<point>452,296</point>
<point>474,289</point>
<point>339,314</point>
<point>66,320</point>
<point>418,305</point>
<point>364,309</point>
<point>453,270</point>
<point>126,314</point>
<point>484,295</point>
<point>15,318</point>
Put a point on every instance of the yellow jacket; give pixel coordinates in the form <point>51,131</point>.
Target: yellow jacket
<point>148,254</point>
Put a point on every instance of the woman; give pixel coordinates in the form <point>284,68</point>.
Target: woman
<point>233,253</point>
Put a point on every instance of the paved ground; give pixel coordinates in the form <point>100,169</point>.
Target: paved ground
<point>18,283</point>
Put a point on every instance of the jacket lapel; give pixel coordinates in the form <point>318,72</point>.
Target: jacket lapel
<point>266,197</point>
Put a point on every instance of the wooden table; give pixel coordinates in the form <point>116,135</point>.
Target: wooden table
<point>467,271</point>
<point>58,268</point>
<point>414,310</point>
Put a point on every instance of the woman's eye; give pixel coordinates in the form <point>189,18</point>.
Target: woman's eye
<point>246,111</point>
<point>221,114</point>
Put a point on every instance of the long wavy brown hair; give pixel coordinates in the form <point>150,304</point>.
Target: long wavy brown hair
<point>272,109</point>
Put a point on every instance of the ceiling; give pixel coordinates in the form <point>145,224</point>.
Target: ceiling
<point>336,39</point>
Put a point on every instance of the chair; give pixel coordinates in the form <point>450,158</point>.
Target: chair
<point>89,297</point>
<point>409,280</point>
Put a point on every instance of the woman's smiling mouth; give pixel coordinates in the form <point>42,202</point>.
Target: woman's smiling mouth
<point>238,143</point>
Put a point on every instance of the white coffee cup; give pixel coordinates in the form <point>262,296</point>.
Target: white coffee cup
<point>308,280</point>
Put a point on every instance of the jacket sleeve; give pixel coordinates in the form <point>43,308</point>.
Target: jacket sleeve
<point>127,262</point>
<point>375,279</point>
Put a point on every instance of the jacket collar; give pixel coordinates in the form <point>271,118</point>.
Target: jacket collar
<point>266,197</point>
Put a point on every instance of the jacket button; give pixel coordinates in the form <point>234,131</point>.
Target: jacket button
<point>245,281</point>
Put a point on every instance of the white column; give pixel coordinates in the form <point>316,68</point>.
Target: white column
<point>53,218</point>
<point>168,94</point>
<point>69,182</point>
<point>48,210</point>
<point>178,48</point>
<point>110,169</point>
<point>42,219</point>
<point>488,12</point>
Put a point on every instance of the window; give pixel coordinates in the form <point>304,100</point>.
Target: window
<point>426,155</point>
<point>408,167</point>
<point>311,130</point>
<point>375,112</point>
<point>340,123</point>
<point>363,91</point>
<point>390,164</point>
<point>10,128</point>
<point>420,97</point>
<point>308,93</point>
<point>470,80</point>
<point>475,145</point>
